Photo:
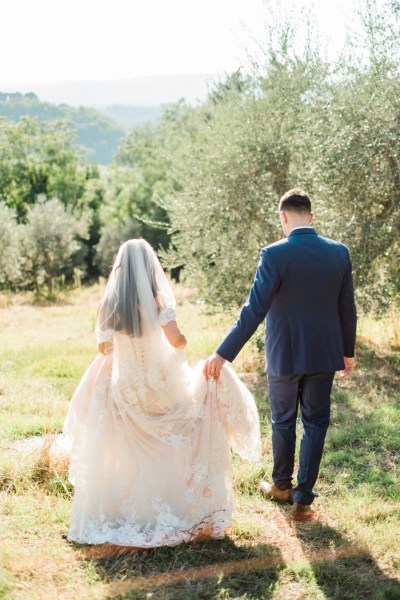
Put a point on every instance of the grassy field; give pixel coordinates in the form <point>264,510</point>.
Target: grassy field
<point>352,552</point>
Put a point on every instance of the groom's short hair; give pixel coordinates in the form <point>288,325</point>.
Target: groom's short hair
<point>295,200</point>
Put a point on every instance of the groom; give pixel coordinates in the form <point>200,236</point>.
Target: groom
<point>303,285</point>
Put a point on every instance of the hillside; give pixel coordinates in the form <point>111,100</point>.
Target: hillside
<point>148,91</point>
<point>98,133</point>
<point>132,116</point>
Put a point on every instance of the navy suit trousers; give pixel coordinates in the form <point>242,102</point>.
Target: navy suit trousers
<point>286,393</point>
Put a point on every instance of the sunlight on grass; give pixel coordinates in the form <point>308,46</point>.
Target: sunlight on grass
<point>353,552</point>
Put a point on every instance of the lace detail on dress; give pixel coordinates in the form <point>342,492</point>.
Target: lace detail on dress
<point>166,315</point>
<point>150,445</point>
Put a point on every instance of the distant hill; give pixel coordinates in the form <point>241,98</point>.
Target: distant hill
<point>150,90</point>
<point>132,116</point>
<point>96,131</point>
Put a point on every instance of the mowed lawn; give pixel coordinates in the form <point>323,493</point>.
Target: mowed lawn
<point>352,552</point>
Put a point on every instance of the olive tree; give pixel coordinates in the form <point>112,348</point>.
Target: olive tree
<point>299,121</point>
<point>357,136</point>
<point>11,258</point>
<point>38,157</point>
<point>244,148</point>
<point>51,242</point>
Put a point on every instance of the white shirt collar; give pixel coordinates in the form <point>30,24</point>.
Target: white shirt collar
<point>303,227</point>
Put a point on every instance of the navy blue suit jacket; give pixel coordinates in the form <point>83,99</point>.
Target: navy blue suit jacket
<point>304,286</point>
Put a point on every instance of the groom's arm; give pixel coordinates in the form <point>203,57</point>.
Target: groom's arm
<point>265,286</point>
<point>347,311</point>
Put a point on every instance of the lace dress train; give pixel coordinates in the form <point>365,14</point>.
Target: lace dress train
<point>150,446</point>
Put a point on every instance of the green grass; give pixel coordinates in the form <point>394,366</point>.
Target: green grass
<point>352,552</point>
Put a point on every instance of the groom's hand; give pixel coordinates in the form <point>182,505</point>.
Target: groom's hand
<point>349,366</point>
<point>213,366</point>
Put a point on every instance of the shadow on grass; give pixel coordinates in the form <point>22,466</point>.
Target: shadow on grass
<point>342,570</point>
<point>360,448</point>
<point>208,569</point>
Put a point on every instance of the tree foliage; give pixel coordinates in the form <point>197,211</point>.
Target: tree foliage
<point>140,181</point>
<point>49,244</point>
<point>358,139</point>
<point>299,121</point>
<point>38,158</point>
<point>205,181</point>
<point>51,241</point>
<point>10,247</point>
<point>245,149</point>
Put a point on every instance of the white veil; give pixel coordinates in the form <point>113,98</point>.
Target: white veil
<point>136,291</point>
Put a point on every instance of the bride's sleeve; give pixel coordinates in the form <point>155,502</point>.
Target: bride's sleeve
<point>103,333</point>
<point>166,314</point>
<point>104,336</point>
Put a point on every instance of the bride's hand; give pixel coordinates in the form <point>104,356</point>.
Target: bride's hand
<point>182,343</point>
<point>105,348</point>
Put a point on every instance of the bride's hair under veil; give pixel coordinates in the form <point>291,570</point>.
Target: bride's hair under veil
<point>136,290</point>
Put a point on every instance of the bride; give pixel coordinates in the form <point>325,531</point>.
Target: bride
<point>149,437</point>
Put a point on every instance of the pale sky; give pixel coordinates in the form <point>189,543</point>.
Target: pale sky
<point>64,40</point>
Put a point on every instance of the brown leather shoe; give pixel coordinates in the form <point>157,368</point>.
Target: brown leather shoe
<point>302,513</point>
<point>272,492</point>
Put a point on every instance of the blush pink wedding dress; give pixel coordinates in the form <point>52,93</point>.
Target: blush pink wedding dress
<point>150,444</point>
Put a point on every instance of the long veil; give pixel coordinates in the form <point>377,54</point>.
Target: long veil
<point>136,291</point>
